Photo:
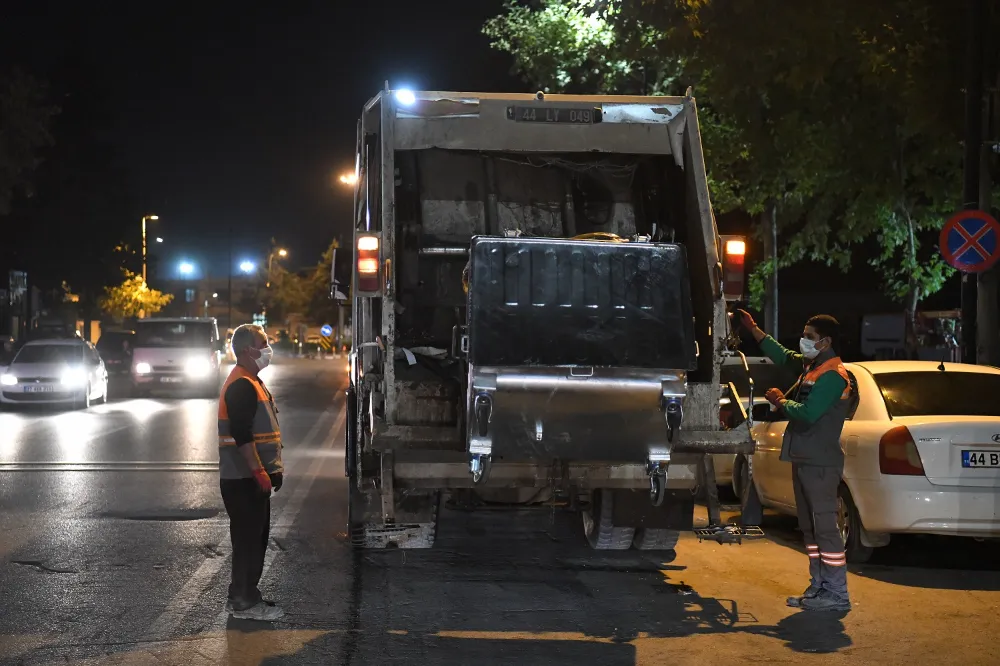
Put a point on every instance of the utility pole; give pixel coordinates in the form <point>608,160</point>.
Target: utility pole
<point>229,296</point>
<point>988,282</point>
<point>973,145</point>
<point>142,313</point>
<point>771,283</point>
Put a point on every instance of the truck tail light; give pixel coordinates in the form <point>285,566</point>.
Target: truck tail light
<point>898,455</point>
<point>368,268</point>
<point>733,267</point>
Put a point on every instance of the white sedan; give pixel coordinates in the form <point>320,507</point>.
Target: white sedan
<point>61,371</point>
<point>922,454</point>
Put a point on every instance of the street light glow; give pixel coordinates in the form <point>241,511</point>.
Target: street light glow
<point>153,217</point>
<point>349,178</point>
<point>159,240</point>
<point>186,268</point>
<point>282,253</point>
<point>247,266</point>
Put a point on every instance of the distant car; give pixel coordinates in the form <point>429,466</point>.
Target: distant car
<point>922,449</point>
<point>180,353</point>
<point>115,348</point>
<point>68,371</point>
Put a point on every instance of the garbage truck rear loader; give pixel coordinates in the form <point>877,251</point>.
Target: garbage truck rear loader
<point>538,311</point>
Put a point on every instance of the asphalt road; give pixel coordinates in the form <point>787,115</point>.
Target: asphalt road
<point>114,550</point>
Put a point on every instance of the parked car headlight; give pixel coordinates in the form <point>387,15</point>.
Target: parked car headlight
<point>8,379</point>
<point>198,367</point>
<point>74,377</point>
<point>143,369</point>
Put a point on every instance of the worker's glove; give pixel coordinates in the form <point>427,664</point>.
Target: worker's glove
<point>775,396</point>
<point>276,480</point>
<point>263,480</point>
<point>746,320</point>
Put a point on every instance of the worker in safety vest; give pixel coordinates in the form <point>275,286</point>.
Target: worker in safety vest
<point>250,468</point>
<point>816,407</point>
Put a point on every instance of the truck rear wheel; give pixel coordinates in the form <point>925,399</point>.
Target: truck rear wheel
<point>599,527</point>
<point>655,539</point>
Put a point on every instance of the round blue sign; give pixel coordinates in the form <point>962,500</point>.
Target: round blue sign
<point>326,331</point>
<point>970,241</point>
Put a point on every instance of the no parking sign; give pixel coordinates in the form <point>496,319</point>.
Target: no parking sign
<point>970,241</point>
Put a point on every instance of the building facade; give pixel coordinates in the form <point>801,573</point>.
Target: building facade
<point>211,297</point>
<point>15,304</point>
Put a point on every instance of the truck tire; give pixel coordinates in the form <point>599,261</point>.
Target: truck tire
<point>655,539</point>
<point>355,522</point>
<point>598,527</point>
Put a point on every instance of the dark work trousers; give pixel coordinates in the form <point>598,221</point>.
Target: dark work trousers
<point>816,502</point>
<point>249,510</point>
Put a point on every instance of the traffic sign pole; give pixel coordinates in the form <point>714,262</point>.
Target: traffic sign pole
<point>976,28</point>
<point>988,282</point>
<point>970,242</point>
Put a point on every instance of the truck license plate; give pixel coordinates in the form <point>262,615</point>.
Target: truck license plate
<point>981,459</point>
<point>550,114</point>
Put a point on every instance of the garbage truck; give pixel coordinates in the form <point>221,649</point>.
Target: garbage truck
<point>539,309</point>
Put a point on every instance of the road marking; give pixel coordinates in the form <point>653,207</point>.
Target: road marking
<point>112,466</point>
<point>183,602</point>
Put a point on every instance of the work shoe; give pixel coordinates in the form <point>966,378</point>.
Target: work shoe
<point>262,612</point>
<point>229,604</point>
<point>826,601</point>
<point>796,602</point>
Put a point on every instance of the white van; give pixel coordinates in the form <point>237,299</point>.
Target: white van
<point>181,353</point>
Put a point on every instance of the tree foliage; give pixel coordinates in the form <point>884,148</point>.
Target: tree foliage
<point>25,117</point>
<point>132,298</point>
<point>306,292</point>
<point>844,115</point>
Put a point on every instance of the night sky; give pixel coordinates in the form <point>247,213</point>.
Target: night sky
<point>224,114</point>
<point>219,115</point>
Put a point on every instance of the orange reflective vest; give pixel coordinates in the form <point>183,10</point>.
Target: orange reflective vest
<point>810,376</point>
<point>266,433</point>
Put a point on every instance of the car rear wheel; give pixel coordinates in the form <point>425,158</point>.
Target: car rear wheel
<point>741,476</point>
<point>849,523</point>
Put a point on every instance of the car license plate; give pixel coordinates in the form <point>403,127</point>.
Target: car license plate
<point>980,458</point>
<point>38,389</point>
<point>170,380</point>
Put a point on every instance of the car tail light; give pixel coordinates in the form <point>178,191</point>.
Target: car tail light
<point>368,268</point>
<point>897,453</point>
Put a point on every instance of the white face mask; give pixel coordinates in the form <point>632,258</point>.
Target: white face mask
<point>808,348</point>
<point>265,358</point>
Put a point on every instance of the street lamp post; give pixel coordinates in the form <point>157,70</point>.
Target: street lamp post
<point>282,252</point>
<point>144,218</point>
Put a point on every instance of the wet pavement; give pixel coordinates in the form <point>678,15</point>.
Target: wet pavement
<point>114,550</point>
